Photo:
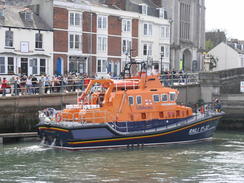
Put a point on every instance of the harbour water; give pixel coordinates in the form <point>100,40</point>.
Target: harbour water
<point>218,160</point>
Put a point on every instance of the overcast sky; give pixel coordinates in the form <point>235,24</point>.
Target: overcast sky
<point>227,15</point>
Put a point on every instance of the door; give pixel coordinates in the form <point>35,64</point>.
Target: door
<point>24,66</point>
<point>59,66</point>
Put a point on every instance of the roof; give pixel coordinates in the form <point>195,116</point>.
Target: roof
<point>130,5</point>
<point>15,17</point>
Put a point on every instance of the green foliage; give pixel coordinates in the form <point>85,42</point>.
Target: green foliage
<point>209,45</point>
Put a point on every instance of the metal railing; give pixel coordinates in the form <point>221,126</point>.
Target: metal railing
<point>16,88</point>
<point>174,79</point>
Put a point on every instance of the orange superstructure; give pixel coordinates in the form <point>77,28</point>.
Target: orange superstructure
<point>136,99</point>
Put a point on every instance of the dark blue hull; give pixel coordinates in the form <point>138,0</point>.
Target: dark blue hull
<point>107,136</point>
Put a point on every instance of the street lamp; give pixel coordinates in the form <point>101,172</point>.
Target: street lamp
<point>161,65</point>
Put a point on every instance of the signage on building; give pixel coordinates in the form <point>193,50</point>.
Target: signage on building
<point>242,86</point>
<point>24,47</point>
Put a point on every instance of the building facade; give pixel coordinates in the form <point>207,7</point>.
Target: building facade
<point>227,57</point>
<point>187,19</point>
<point>25,47</point>
<point>100,36</point>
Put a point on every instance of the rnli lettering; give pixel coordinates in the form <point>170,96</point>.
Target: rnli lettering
<point>144,107</point>
<point>195,131</point>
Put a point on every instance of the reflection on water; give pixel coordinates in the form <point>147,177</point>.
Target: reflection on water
<point>220,160</point>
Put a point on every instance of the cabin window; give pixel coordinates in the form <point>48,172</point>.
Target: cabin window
<point>164,97</point>
<point>161,114</point>
<point>177,113</point>
<point>131,100</point>
<point>143,116</point>
<point>156,98</point>
<point>172,97</point>
<point>138,100</point>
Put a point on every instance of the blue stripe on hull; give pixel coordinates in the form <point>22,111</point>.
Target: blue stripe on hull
<point>201,130</point>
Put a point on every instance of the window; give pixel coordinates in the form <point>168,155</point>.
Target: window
<point>75,19</point>
<point>75,41</point>
<point>28,16</point>
<point>185,20</point>
<point>1,12</point>
<point>147,29</point>
<point>131,100</point>
<point>42,66</point>
<point>164,97</point>
<point>164,32</point>
<point>38,40</point>
<point>162,51</point>
<point>144,9</point>
<point>161,12</point>
<point>147,49</point>
<point>10,65</point>
<point>172,97</point>
<point>126,25</point>
<point>156,98</point>
<point>102,44</point>
<point>138,100</point>
<point>102,22</point>
<point>33,64</point>
<point>9,38</point>
<point>2,65</point>
<point>126,46</point>
<point>101,65</point>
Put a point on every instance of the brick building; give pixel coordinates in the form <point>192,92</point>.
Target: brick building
<point>98,36</point>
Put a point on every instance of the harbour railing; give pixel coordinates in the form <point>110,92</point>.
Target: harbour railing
<point>21,87</point>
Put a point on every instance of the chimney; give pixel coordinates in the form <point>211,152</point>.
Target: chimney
<point>157,2</point>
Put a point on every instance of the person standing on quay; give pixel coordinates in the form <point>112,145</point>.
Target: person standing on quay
<point>4,86</point>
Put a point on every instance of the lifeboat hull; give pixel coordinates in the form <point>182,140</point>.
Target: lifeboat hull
<point>105,135</point>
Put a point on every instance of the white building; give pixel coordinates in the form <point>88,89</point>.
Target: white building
<point>25,43</point>
<point>228,57</point>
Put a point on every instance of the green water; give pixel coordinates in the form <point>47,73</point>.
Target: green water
<point>219,160</point>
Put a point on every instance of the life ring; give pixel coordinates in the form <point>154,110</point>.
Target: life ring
<point>58,117</point>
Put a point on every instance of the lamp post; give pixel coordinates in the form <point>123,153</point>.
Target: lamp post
<point>161,65</point>
<point>170,43</point>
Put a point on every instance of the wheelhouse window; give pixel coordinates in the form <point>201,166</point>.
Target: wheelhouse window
<point>39,40</point>
<point>156,98</point>
<point>2,65</point>
<point>10,65</point>
<point>172,97</point>
<point>131,100</point>
<point>138,100</point>
<point>9,38</point>
<point>164,97</point>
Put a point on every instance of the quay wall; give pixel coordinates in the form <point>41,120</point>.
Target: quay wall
<point>20,114</point>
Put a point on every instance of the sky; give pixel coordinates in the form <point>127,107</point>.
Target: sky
<point>227,15</point>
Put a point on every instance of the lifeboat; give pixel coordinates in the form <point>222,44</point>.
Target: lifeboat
<point>132,111</point>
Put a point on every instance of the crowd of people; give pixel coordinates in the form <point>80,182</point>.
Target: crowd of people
<point>29,85</point>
